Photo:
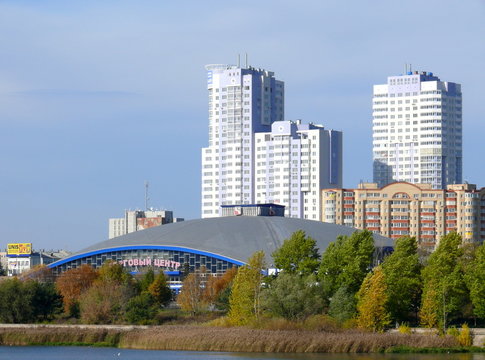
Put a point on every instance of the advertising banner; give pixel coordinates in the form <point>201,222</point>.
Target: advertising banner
<point>19,249</point>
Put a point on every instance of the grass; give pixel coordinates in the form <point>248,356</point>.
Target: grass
<point>53,336</point>
<point>317,335</point>
<point>414,350</point>
<point>285,341</point>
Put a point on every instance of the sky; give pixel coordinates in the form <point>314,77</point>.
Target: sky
<point>97,97</point>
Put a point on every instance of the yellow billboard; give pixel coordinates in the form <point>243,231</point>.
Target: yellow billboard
<point>19,249</point>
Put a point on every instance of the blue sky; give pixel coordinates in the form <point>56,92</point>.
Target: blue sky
<point>98,96</point>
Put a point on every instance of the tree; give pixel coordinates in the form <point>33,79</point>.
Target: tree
<point>72,283</point>
<point>216,285</point>
<point>39,273</point>
<point>147,279</point>
<point>112,272</point>
<point>297,255</point>
<point>292,296</point>
<point>343,305</point>
<point>160,290</point>
<point>444,290</point>
<point>190,297</point>
<point>141,309</point>
<point>44,299</point>
<point>15,304</point>
<point>372,299</point>
<point>430,307</point>
<point>245,298</point>
<point>2,270</point>
<point>475,280</point>
<point>346,262</point>
<point>104,302</point>
<point>27,302</point>
<point>402,273</point>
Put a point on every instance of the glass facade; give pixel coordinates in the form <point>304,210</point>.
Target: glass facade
<point>175,262</point>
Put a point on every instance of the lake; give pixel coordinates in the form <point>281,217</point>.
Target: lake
<point>90,353</point>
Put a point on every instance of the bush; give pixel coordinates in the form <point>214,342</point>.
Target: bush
<point>141,309</point>
<point>465,337</point>
<point>453,331</point>
<point>321,323</point>
<point>404,329</point>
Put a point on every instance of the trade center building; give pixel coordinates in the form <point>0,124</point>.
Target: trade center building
<point>217,244</point>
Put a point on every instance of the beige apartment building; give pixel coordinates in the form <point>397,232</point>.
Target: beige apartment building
<point>403,208</point>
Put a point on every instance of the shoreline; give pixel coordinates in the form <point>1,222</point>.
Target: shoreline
<point>209,338</point>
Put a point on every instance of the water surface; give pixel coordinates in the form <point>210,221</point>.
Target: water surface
<point>92,353</point>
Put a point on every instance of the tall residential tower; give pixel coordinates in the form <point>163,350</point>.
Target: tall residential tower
<point>242,101</point>
<point>417,131</point>
<point>254,156</point>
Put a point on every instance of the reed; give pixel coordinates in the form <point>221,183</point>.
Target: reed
<point>200,338</point>
<point>58,336</point>
<point>212,338</point>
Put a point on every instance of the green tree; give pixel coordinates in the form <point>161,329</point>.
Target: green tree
<point>444,291</point>
<point>402,273</point>
<point>475,280</point>
<point>141,309</point>
<point>343,305</point>
<point>372,302</point>
<point>346,263</point>
<point>292,296</point>
<point>112,272</point>
<point>160,290</point>
<point>297,255</point>
<point>245,299</point>
<point>147,279</point>
<point>28,302</point>
<point>45,301</point>
<point>15,303</point>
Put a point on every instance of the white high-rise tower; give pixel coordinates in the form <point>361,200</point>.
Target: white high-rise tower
<point>242,101</point>
<point>417,130</point>
<point>256,157</point>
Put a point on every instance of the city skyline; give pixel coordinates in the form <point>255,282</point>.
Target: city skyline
<point>97,98</point>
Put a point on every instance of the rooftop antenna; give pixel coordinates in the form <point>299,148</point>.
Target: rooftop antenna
<point>246,60</point>
<point>238,60</point>
<point>146,194</point>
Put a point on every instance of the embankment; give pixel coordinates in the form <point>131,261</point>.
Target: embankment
<point>204,338</point>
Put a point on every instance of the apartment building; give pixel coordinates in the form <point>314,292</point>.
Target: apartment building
<point>254,156</point>
<point>417,130</point>
<point>136,220</point>
<point>402,208</point>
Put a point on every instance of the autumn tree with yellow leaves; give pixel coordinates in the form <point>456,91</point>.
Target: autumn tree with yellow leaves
<point>372,300</point>
<point>245,299</point>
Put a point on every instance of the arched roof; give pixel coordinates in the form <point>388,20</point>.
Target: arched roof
<point>234,237</point>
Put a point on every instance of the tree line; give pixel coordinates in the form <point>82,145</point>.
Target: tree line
<point>446,287</point>
<point>342,283</point>
<point>108,295</point>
